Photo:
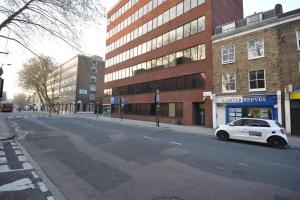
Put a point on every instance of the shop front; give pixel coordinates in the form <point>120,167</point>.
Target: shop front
<point>230,108</point>
<point>295,113</point>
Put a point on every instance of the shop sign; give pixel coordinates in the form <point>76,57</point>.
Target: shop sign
<point>254,98</point>
<point>233,99</point>
<point>295,95</point>
<point>82,91</point>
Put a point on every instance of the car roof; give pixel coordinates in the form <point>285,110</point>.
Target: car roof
<point>267,120</point>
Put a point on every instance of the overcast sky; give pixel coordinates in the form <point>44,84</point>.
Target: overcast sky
<point>93,43</point>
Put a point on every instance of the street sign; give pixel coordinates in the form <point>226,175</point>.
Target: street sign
<point>207,94</point>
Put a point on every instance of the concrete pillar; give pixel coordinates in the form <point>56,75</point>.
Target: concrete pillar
<point>287,111</point>
<point>279,106</point>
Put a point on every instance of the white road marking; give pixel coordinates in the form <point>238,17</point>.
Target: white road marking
<point>22,158</point>
<point>2,153</point>
<point>22,184</point>
<point>148,137</point>
<point>176,143</point>
<point>15,147</point>
<point>4,168</point>
<point>50,198</point>
<point>27,165</point>
<point>3,160</point>
<point>34,174</point>
<point>42,186</point>
<point>18,152</point>
<point>243,164</point>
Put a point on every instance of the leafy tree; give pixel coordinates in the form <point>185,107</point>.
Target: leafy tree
<point>20,100</point>
<point>23,20</point>
<point>39,74</point>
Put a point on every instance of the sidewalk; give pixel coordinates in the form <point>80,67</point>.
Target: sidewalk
<point>4,131</point>
<point>197,130</point>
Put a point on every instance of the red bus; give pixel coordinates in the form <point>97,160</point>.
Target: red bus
<point>6,106</point>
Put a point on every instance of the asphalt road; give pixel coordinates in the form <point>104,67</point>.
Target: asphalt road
<point>88,159</point>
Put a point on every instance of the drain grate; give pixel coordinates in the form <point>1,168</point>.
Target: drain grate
<point>167,198</point>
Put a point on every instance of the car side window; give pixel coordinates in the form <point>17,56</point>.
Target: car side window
<point>259,123</point>
<point>241,122</point>
<point>238,123</point>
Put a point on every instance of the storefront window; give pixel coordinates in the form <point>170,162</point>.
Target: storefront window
<point>234,114</point>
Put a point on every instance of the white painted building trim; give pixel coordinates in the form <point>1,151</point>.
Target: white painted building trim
<point>276,23</point>
<point>287,110</point>
<point>279,108</point>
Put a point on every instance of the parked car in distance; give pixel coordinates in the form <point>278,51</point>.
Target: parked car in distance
<point>255,130</point>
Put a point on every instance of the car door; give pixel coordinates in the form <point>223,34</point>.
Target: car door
<point>237,129</point>
<point>257,131</point>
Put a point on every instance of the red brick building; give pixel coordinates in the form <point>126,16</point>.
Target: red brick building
<point>163,45</point>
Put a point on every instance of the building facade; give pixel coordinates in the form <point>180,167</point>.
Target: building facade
<point>77,84</point>
<point>255,61</point>
<point>163,45</point>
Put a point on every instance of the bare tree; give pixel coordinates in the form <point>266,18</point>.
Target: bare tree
<point>37,74</point>
<point>20,100</point>
<point>24,19</point>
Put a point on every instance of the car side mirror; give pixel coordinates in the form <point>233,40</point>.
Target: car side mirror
<point>231,124</point>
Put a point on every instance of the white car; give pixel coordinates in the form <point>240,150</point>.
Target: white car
<point>255,130</point>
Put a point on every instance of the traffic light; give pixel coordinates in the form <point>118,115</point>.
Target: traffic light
<point>1,87</point>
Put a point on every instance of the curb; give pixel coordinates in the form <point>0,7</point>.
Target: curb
<point>8,138</point>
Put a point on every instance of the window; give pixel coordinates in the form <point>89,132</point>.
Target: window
<point>229,82</point>
<point>257,80</point>
<point>254,19</point>
<point>165,39</point>
<point>93,79</point>
<point>179,33</point>
<point>193,4</point>
<point>201,24</point>
<point>228,54</point>
<point>92,97</point>
<point>201,52</point>
<point>172,12</point>
<point>298,38</point>
<point>256,48</point>
<point>179,9</point>
<point>258,123</point>
<point>187,30</point>
<point>194,27</point>
<point>160,20</point>
<point>187,5</point>
<point>93,88</point>
<point>159,41</point>
<point>166,17</point>
<point>228,27</point>
<point>172,36</point>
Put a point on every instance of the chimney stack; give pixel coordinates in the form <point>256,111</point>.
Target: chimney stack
<point>278,9</point>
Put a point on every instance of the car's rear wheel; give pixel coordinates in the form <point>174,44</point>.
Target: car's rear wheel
<point>276,142</point>
<point>223,135</point>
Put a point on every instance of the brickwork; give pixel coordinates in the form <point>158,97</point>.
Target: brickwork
<point>210,9</point>
<point>242,65</point>
<point>289,54</point>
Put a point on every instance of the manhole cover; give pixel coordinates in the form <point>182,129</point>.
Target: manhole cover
<point>167,198</point>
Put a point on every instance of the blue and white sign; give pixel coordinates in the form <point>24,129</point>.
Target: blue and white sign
<point>112,100</point>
